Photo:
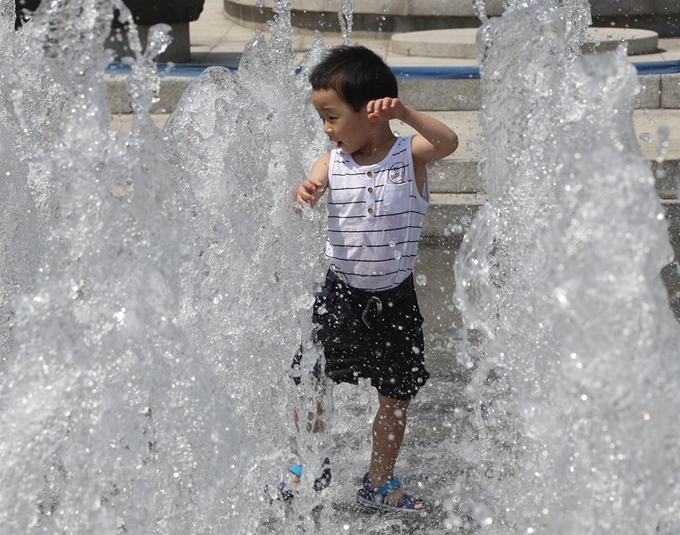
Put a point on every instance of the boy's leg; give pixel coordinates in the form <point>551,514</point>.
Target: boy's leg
<point>314,437</point>
<point>389,426</point>
<point>315,422</point>
<point>314,386</point>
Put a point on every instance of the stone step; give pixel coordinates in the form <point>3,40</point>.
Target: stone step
<point>451,214</point>
<point>639,41</point>
<point>388,16</point>
<point>373,17</point>
<point>458,173</point>
<point>458,192</point>
<point>658,91</point>
<point>460,42</point>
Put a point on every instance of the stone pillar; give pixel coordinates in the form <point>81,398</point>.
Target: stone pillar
<point>176,13</point>
<point>179,50</point>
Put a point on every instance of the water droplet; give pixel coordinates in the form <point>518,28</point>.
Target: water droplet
<point>421,280</point>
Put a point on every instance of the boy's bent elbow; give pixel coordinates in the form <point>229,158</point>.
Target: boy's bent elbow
<point>445,146</point>
<point>450,145</point>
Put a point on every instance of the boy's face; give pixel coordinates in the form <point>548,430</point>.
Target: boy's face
<point>343,126</point>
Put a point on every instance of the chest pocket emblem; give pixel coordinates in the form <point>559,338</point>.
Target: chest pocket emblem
<point>397,173</point>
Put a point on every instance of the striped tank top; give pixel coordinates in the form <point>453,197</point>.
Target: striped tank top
<point>375,214</point>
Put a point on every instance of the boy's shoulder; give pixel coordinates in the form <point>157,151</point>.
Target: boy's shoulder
<point>324,159</point>
<point>321,167</point>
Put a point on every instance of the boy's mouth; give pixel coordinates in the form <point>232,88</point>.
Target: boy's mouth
<point>339,144</point>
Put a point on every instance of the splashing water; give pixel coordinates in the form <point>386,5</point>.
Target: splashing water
<point>479,7</point>
<point>577,13</point>
<point>575,386</point>
<point>151,312</point>
<point>243,143</point>
<point>110,419</point>
<point>345,16</point>
<point>156,286</point>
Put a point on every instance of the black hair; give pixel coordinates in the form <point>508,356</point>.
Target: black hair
<point>356,74</point>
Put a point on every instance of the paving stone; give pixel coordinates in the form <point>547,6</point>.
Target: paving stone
<point>670,91</point>
<point>650,91</point>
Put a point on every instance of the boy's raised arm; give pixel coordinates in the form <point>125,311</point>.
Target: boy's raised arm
<point>312,189</point>
<point>436,140</point>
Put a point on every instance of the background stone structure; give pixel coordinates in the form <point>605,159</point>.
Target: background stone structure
<point>661,16</point>
<point>176,13</point>
<point>390,16</point>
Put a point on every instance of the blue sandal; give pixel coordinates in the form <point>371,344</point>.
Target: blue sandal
<point>285,494</point>
<point>374,497</point>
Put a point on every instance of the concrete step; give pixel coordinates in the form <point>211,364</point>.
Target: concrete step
<point>658,91</point>
<point>451,214</point>
<point>639,41</point>
<point>457,190</point>
<point>460,42</point>
<point>458,173</point>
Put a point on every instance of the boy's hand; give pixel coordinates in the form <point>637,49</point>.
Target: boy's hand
<point>386,109</point>
<point>306,191</point>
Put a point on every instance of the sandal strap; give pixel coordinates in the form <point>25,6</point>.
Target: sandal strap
<point>374,497</point>
<point>407,501</point>
<point>296,470</point>
<point>384,490</point>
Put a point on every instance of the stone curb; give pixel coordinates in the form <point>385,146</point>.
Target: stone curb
<point>450,215</point>
<point>434,95</point>
<point>461,42</point>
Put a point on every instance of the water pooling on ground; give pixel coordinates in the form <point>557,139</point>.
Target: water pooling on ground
<point>155,287</point>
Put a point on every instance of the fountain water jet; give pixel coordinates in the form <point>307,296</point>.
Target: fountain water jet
<point>575,391</point>
<point>162,283</point>
<point>110,421</point>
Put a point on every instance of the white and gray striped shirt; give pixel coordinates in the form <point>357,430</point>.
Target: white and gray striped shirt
<point>375,214</point>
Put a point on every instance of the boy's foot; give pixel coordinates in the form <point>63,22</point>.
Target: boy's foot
<point>322,482</point>
<point>285,493</point>
<point>377,497</point>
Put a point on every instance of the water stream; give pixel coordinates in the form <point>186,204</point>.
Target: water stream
<point>574,394</point>
<point>155,286</point>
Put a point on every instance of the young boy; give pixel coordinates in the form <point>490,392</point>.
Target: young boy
<point>366,314</point>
